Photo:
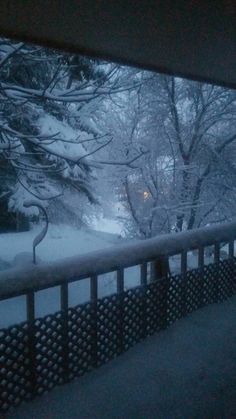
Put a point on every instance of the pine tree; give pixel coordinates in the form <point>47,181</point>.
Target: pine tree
<point>43,139</point>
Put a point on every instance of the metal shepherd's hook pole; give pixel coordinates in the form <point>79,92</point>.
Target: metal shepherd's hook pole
<point>42,234</point>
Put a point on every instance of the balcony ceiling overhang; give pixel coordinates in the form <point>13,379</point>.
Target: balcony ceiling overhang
<point>193,38</point>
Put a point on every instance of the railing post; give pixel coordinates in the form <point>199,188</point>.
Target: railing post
<point>231,249</point>
<point>120,292</point>
<point>65,337</point>
<point>232,262</point>
<point>217,273</point>
<point>159,268</point>
<point>184,281</point>
<point>30,306</point>
<point>166,294</point>
<point>201,272</point>
<point>94,302</point>
<point>144,286</point>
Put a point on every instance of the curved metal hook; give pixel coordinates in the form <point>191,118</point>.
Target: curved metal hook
<point>42,234</point>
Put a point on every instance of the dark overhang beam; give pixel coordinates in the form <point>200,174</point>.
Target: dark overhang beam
<point>191,38</point>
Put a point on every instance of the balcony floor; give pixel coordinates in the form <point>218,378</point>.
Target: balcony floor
<point>185,372</point>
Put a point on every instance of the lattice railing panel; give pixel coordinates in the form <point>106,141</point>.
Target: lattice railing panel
<point>15,377</point>
<point>34,357</point>
<point>109,328</point>
<point>194,290</point>
<point>156,306</point>
<point>133,317</point>
<point>210,285</point>
<point>79,340</point>
<point>176,296</point>
<point>226,280</point>
<point>48,352</point>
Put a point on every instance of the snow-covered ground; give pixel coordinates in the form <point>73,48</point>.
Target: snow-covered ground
<point>185,372</point>
<point>60,241</point>
<point>108,225</point>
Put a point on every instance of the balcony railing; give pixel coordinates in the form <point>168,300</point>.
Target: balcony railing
<point>42,352</point>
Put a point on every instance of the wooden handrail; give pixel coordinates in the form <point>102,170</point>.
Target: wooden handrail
<point>18,281</point>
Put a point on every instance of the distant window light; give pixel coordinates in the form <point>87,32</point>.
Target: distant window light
<point>146,195</point>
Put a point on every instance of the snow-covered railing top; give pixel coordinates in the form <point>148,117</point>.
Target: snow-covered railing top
<point>18,281</point>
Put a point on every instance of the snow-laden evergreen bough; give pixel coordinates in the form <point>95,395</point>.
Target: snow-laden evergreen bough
<point>48,135</point>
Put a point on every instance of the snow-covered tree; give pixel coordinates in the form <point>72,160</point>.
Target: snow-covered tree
<point>167,144</point>
<point>48,134</point>
<point>186,177</point>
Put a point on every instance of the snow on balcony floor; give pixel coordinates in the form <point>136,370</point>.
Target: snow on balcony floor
<point>185,372</point>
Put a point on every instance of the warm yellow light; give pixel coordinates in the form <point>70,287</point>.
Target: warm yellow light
<point>146,195</point>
